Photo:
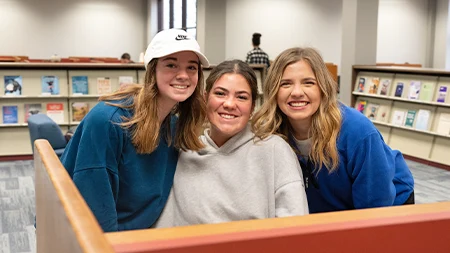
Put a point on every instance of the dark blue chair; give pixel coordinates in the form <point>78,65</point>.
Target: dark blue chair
<point>43,127</point>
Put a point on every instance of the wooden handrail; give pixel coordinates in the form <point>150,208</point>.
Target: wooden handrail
<point>64,223</point>
<point>414,228</point>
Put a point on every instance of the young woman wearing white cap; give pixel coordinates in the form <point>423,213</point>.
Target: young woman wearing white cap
<point>123,154</point>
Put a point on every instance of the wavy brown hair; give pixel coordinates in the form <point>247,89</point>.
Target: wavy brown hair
<point>326,121</point>
<point>144,124</point>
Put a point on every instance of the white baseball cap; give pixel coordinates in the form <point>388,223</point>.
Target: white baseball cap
<point>171,41</point>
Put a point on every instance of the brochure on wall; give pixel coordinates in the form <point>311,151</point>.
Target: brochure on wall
<point>398,118</point>
<point>409,122</point>
<point>423,117</point>
<point>79,110</point>
<point>56,112</point>
<point>444,124</point>
<point>442,94</point>
<point>50,85</point>
<point>10,114</point>
<point>13,85</point>
<point>79,85</point>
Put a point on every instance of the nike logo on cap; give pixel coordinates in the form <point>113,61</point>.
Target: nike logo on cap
<point>181,37</point>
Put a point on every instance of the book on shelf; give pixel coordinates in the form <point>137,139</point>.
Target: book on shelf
<point>399,89</point>
<point>382,114</point>
<point>410,116</point>
<point>50,85</point>
<point>79,110</point>
<point>56,112</point>
<point>423,117</point>
<point>10,114</point>
<point>31,109</point>
<point>374,86</point>
<point>124,81</point>
<point>103,85</point>
<point>372,110</point>
<point>80,85</point>
<point>444,124</point>
<point>13,85</point>
<point>414,89</point>
<point>426,92</point>
<point>442,94</point>
<point>361,84</point>
<point>398,118</point>
<point>385,83</point>
<point>361,106</point>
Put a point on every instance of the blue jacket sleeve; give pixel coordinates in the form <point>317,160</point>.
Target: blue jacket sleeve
<point>92,159</point>
<point>99,189</point>
<point>373,172</point>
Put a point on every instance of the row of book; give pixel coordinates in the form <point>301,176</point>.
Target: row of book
<point>418,119</point>
<point>54,110</point>
<point>50,85</point>
<point>424,90</point>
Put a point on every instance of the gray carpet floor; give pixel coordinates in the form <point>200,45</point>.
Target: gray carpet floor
<point>17,200</point>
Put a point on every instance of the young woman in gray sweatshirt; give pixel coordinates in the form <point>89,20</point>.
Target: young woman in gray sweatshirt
<point>236,176</point>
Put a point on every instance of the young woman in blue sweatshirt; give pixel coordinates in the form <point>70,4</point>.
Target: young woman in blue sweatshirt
<point>123,154</point>
<point>346,163</point>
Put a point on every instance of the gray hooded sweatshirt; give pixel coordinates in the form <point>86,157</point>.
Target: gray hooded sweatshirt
<point>241,180</point>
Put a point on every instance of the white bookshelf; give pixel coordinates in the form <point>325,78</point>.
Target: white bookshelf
<point>426,144</point>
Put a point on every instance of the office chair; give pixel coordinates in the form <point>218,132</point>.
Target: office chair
<point>43,127</point>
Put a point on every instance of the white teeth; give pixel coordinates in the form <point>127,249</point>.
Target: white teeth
<point>298,104</point>
<point>179,86</point>
<point>227,116</point>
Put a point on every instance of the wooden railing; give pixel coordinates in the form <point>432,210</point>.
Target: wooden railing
<point>65,224</point>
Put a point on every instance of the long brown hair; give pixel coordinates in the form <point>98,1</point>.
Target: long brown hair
<point>326,121</point>
<point>144,124</point>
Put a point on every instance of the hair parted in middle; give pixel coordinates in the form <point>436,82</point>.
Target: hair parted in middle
<point>234,67</point>
<point>326,121</point>
<point>144,124</point>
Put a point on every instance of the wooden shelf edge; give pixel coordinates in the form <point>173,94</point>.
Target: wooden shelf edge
<point>410,129</point>
<point>5,158</point>
<point>355,93</point>
<point>427,162</point>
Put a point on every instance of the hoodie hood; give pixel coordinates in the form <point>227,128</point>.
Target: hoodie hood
<point>228,147</point>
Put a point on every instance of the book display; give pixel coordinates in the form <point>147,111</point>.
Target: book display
<point>63,91</point>
<point>409,106</point>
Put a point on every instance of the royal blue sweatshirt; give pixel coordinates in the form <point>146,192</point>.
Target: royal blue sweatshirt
<point>369,174</point>
<point>124,190</point>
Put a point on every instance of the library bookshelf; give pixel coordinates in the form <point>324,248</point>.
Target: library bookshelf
<point>409,106</point>
<point>75,89</point>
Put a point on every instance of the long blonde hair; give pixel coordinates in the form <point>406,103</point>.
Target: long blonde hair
<point>144,124</point>
<point>326,121</point>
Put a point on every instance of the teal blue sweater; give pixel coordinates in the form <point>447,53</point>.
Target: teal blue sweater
<point>124,190</point>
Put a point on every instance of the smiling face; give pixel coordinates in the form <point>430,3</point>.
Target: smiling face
<point>229,106</point>
<point>176,78</point>
<point>299,94</point>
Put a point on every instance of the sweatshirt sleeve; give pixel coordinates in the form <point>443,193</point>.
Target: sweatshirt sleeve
<point>290,195</point>
<point>99,189</point>
<point>373,172</point>
<point>94,154</point>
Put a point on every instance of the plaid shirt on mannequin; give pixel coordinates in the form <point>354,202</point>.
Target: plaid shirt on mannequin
<point>258,56</point>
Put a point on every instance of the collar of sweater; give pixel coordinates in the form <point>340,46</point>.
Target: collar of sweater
<point>231,145</point>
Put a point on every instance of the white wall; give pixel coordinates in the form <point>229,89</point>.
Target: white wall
<point>211,23</point>
<point>440,40</point>
<point>403,31</point>
<point>284,24</point>
<point>41,28</point>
